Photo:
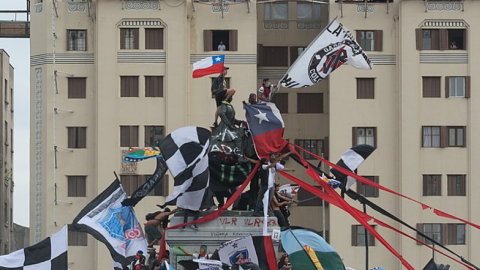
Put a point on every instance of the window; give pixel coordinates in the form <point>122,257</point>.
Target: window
<point>455,234</point>
<point>154,38</point>
<point>310,103</point>
<point>77,186</point>
<point>153,86</point>
<point>5,213</point>
<point>365,88</point>
<point>6,92</point>
<point>457,39</point>
<point>358,236</point>
<point>431,137</point>
<point>129,38</point>
<point>77,137</point>
<point>128,136</point>
<point>77,238</point>
<point>77,87</point>
<point>276,11</point>
<point>275,56</point>
<point>77,40</point>
<point>161,189</point>
<point>456,136</point>
<point>364,135</point>
<point>153,135</point>
<point>441,39</point>
<point>130,183</point>
<point>456,185</point>
<point>129,86</point>
<point>281,100</point>
<point>212,39</point>
<point>295,52</point>
<point>6,133</point>
<point>306,198</point>
<point>11,98</point>
<point>370,40</point>
<point>308,11</point>
<point>432,185</point>
<point>431,87</point>
<point>432,230</point>
<point>367,190</point>
<point>314,146</point>
<point>457,86</point>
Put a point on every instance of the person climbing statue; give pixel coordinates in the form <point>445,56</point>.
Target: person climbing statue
<point>221,92</point>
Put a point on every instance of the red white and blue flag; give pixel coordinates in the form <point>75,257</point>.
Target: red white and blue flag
<point>267,127</point>
<point>210,65</point>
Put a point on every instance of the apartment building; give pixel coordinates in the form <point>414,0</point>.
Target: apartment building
<point>6,153</point>
<point>108,75</point>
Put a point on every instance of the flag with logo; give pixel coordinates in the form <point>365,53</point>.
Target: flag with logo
<point>112,224</point>
<point>307,250</point>
<point>48,254</point>
<point>267,127</point>
<point>251,249</point>
<point>333,47</point>
<point>210,65</point>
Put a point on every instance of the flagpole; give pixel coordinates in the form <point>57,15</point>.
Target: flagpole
<point>366,239</point>
<point>323,214</point>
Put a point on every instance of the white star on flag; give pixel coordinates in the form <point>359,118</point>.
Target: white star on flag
<point>261,117</point>
<point>218,59</point>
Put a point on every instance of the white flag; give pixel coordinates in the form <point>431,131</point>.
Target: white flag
<point>333,47</point>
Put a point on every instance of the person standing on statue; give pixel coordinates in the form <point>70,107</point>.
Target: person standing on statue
<point>227,130</point>
<point>221,92</point>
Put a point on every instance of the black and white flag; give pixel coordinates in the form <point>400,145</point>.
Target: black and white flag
<point>186,152</point>
<point>333,47</point>
<point>112,224</point>
<point>351,160</point>
<point>48,254</point>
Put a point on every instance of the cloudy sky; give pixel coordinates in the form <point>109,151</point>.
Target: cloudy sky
<point>19,51</point>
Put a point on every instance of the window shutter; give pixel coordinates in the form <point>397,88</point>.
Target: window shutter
<point>464,136</point>
<point>424,184</point>
<point>354,235</point>
<point>467,86</point>
<point>378,40</point>
<point>71,137</point>
<point>463,186</point>
<point>147,134</point>
<point>420,229</point>
<point>447,86</point>
<point>451,234</point>
<point>154,38</point>
<point>82,137</point>
<point>376,179</point>
<point>326,147</point>
<point>465,39</point>
<point>375,138</point>
<point>443,136</point>
<point>442,39</point>
<point>435,39</point>
<point>358,35</point>
<point>423,137</point>
<point>82,187</point>
<point>450,185</point>
<point>207,40</point>
<point>135,37</point>
<point>122,38</point>
<point>419,36</point>
<point>444,233</point>
<point>354,136</point>
<point>438,179</point>
<point>134,136</point>
<point>293,54</point>
<point>259,55</point>
<point>165,185</point>
<point>233,40</point>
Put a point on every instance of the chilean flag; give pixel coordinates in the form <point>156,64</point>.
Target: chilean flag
<point>266,125</point>
<point>210,65</point>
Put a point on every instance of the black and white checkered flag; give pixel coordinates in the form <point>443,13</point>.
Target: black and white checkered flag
<point>186,152</point>
<point>48,254</point>
<point>351,160</point>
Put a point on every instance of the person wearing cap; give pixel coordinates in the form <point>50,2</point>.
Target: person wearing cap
<point>139,261</point>
<point>221,92</point>
<point>265,93</point>
<point>152,230</point>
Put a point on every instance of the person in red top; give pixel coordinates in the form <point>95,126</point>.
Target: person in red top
<point>265,93</point>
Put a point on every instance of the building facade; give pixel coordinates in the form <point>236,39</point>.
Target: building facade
<point>6,153</point>
<point>108,75</point>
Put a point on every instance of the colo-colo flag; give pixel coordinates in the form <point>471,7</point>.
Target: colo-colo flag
<point>333,47</point>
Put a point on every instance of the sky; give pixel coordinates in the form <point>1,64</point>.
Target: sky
<point>19,52</point>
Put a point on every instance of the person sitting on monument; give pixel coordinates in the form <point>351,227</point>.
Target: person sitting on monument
<point>202,254</point>
<point>152,230</point>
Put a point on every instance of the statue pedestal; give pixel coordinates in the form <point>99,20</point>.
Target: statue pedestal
<point>230,225</point>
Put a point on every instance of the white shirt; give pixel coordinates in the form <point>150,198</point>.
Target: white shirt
<point>222,47</point>
<point>272,171</point>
